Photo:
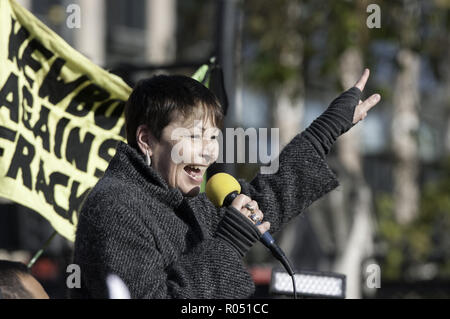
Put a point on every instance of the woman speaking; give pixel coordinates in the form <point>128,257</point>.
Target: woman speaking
<point>145,220</point>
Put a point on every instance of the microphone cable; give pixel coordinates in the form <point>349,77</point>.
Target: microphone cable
<point>279,254</point>
<point>222,189</point>
<point>294,286</point>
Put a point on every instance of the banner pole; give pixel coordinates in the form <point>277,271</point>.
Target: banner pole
<point>39,253</point>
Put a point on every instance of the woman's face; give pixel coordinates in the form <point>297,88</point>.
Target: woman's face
<point>184,152</point>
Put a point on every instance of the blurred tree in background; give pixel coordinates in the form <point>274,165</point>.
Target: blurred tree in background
<point>297,48</point>
<point>414,227</point>
<point>420,249</point>
<point>293,57</point>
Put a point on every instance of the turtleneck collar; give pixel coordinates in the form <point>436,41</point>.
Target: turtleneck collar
<point>131,165</point>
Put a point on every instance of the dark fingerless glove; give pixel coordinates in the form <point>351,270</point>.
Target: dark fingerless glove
<point>238,231</point>
<point>335,121</point>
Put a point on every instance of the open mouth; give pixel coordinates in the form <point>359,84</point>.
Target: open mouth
<point>195,172</point>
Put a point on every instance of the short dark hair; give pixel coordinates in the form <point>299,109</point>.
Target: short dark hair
<point>10,285</point>
<point>155,100</point>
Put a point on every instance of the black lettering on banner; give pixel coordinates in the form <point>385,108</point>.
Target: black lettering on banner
<point>28,60</point>
<point>48,189</point>
<point>22,158</point>
<point>98,173</point>
<point>74,200</point>
<point>41,128</point>
<point>11,87</point>
<point>108,122</point>
<point>84,101</point>
<point>15,41</point>
<point>122,131</point>
<point>41,184</point>
<point>57,178</point>
<point>103,152</point>
<point>26,115</point>
<point>60,127</point>
<point>7,134</point>
<point>78,151</point>
<point>54,87</point>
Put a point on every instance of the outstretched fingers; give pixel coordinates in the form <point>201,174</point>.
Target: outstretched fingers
<point>363,80</point>
<point>364,107</point>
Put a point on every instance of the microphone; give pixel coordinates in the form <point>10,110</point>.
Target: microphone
<point>222,189</point>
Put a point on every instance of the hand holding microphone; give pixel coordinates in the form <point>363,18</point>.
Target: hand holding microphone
<point>249,208</point>
<point>223,190</point>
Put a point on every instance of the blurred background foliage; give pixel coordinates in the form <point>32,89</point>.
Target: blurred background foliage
<point>300,43</point>
<point>425,243</point>
<point>284,61</point>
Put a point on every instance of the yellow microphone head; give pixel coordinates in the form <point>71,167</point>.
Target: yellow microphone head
<point>219,186</point>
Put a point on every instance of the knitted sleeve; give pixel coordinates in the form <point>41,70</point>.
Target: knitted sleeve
<point>302,177</point>
<point>335,121</point>
<point>123,246</point>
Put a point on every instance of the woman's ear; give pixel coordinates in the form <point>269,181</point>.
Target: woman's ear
<point>145,139</point>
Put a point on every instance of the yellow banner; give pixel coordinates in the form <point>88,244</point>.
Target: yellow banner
<point>61,117</point>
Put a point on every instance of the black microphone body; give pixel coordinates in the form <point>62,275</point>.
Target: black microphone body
<point>266,239</point>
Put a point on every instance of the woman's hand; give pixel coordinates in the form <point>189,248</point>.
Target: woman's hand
<point>343,113</point>
<point>246,206</point>
<point>363,107</point>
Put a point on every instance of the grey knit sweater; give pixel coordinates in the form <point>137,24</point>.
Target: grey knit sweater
<point>164,245</point>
